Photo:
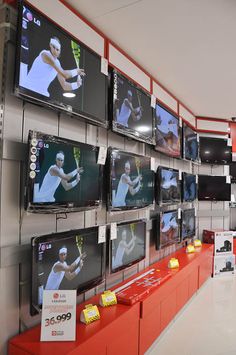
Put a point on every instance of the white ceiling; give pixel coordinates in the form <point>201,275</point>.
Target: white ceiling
<point>188,45</point>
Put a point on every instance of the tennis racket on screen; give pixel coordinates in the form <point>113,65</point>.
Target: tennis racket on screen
<point>79,243</point>
<point>76,52</point>
<point>77,154</point>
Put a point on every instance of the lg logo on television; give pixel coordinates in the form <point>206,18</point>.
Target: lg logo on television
<point>29,16</point>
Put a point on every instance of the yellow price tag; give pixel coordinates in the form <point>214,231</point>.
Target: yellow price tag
<point>190,249</point>
<point>173,263</point>
<point>108,298</point>
<point>89,314</point>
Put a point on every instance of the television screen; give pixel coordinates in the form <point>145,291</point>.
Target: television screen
<point>168,133</point>
<point>213,188</point>
<point>215,150</point>
<point>169,228</point>
<point>188,224</point>
<point>56,70</point>
<point>168,185</point>
<point>190,143</point>
<point>66,261</point>
<point>62,175</point>
<point>232,172</point>
<point>132,111</point>
<point>131,181</point>
<point>189,186</point>
<point>130,245</point>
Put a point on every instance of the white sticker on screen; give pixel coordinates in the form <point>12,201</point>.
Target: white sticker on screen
<point>101,234</point>
<point>104,66</point>
<point>179,213</point>
<point>228,179</point>
<point>153,101</point>
<point>229,142</point>
<point>180,122</point>
<point>113,234</point>
<point>102,155</point>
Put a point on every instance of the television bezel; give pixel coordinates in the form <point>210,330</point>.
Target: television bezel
<point>158,238</point>
<point>184,142</point>
<point>175,115</point>
<point>215,162</point>
<point>57,207</point>
<point>126,131</point>
<point>126,266</point>
<point>35,308</point>
<point>233,177</point>
<point>212,176</point>
<point>109,181</point>
<point>181,229</point>
<point>184,174</point>
<point>80,115</point>
<point>159,199</point>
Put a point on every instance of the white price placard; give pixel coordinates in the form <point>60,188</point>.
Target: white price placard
<point>229,142</point>
<point>104,66</point>
<point>101,234</point>
<point>152,164</point>
<point>228,179</point>
<point>195,211</point>
<point>102,155</point>
<point>179,213</point>
<point>153,101</point>
<point>196,179</point>
<point>180,174</point>
<point>198,138</point>
<point>113,234</point>
<point>58,315</point>
<point>180,122</point>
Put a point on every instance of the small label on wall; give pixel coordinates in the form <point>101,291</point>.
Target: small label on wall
<point>113,234</point>
<point>101,234</point>
<point>153,101</point>
<point>180,122</point>
<point>179,213</point>
<point>229,142</point>
<point>104,66</point>
<point>102,155</point>
<point>228,179</point>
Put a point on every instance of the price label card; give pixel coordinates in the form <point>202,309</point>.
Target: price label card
<point>196,179</point>
<point>228,179</point>
<point>113,234</point>
<point>104,66</point>
<point>195,211</point>
<point>180,174</point>
<point>197,137</point>
<point>58,315</point>
<point>229,142</point>
<point>102,155</point>
<point>153,101</point>
<point>101,234</point>
<point>152,164</point>
<point>180,122</point>
<point>179,213</point>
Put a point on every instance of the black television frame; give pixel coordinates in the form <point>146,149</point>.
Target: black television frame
<point>172,113</point>
<point>123,267</point>
<point>184,174</point>
<point>157,222</point>
<point>213,199</point>
<point>158,192</point>
<point>181,229</point>
<point>68,109</point>
<point>108,187</point>
<point>218,162</point>
<point>118,128</point>
<point>184,124</point>
<point>34,307</point>
<point>232,168</point>
<point>57,207</point>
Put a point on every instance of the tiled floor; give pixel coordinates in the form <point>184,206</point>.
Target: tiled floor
<point>207,326</point>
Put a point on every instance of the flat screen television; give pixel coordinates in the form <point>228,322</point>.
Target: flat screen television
<point>190,143</point>
<point>70,260</point>
<point>188,224</point>
<point>232,172</point>
<point>62,175</point>
<point>168,132</point>
<point>131,109</point>
<point>130,245</point>
<point>215,150</point>
<point>213,188</point>
<point>168,232</point>
<point>131,181</point>
<point>168,187</point>
<point>189,187</point>
<point>56,70</point>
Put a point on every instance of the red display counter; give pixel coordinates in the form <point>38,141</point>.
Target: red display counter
<point>129,330</point>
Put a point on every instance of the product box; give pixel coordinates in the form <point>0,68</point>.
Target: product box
<point>208,235</point>
<point>223,243</point>
<point>223,265</point>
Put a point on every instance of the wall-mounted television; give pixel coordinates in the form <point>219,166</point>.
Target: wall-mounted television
<point>188,224</point>
<point>213,188</point>
<point>215,150</point>
<point>168,231</point>
<point>130,245</point>
<point>168,132</point>
<point>190,143</point>
<point>131,109</point>
<point>66,261</point>
<point>168,187</point>
<point>56,70</point>
<point>62,175</point>
<point>131,181</point>
<point>189,187</point>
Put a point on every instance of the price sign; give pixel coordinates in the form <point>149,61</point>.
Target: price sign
<point>58,315</point>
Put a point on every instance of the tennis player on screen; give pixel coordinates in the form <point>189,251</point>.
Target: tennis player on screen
<point>61,269</point>
<point>123,248</point>
<point>127,110</point>
<point>54,177</point>
<point>46,67</point>
<point>125,185</point>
